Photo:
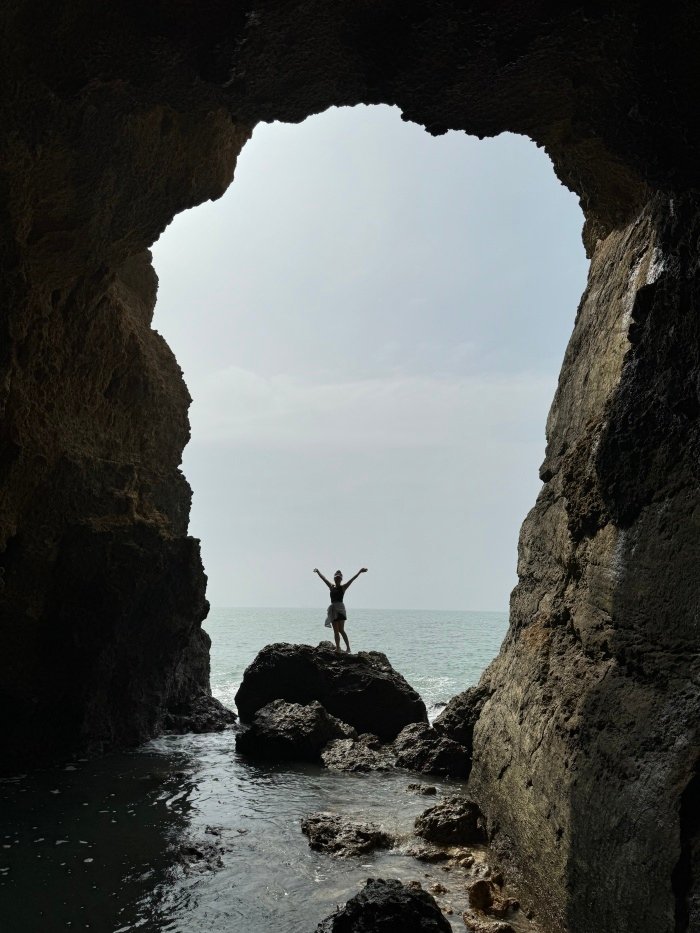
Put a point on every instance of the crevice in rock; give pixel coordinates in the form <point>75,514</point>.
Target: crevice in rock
<point>685,879</point>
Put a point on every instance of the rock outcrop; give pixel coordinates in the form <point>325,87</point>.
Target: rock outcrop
<point>343,837</point>
<point>420,748</point>
<point>387,905</point>
<point>458,718</point>
<point>362,689</point>
<point>454,822</point>
<point>291,731</point>
<point>366,753</point>
<point>116,117</point>
<point>198,714</point>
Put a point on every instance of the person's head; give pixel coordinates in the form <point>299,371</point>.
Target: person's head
<point>337,578</point>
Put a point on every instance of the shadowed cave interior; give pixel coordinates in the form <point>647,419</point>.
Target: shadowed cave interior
<point>118,118</point>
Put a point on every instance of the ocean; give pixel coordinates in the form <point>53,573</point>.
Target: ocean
<point>182,834</point>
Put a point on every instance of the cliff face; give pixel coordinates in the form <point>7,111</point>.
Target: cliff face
<point>587,749</point>
<point>102,593</point>
<point>117,116</point>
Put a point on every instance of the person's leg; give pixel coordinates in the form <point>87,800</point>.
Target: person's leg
<point>341,627</point>
<point>336,635</point>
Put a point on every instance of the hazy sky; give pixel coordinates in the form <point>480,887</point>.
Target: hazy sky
<point>371,323</point>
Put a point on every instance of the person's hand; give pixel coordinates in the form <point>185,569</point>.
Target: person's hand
<point>363,570</point>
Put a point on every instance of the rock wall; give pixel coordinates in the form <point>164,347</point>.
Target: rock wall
<point>102,594</point>
<point>117,116</point>
<point>590,738</point>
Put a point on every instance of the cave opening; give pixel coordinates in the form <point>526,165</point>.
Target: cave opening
<point>370,317</point>
<point>118,119</point>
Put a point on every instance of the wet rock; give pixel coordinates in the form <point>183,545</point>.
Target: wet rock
<point>366,753</point>
<point>428,853</point>
<point>196,856</point>
<point>201,714</point>
<point>291,731</point>
<point>420,748</point>
<point>387,906</point>
<point>426,789</point>
<point>438,888</point>
<point>479,925</point>
<point>457,821</point>
<point>343,837</point>
<point>362,689</point>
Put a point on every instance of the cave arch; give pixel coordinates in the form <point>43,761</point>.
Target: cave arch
<point>434,282</point>
<point>117,118</point>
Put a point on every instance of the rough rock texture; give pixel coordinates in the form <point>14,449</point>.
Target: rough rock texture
<point>118,115</point>
<point>387,905</point>
<point>201,714</point>
<point>458,718</point>
<point>487,897</point>
<point>420,748</point>
<point>282,730</point>
<point>427,790</point>
<point>478,925</point>
<point>362,689</point>
<point>586,750</point>
<point>366,753</point>
<point>457,821</point>
<point>343,837</point>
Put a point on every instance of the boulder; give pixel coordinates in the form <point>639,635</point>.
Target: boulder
<point>420,748</point>
<point>284,730</point>
<point>343,837</point>
<point>366,753</point>
<point>362,689</point>
<point>387,905</point>
<point>457,821</point>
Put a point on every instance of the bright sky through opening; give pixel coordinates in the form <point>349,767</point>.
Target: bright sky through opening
<point>371,323</point>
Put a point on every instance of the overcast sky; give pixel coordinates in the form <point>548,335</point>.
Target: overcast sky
<point>371,323</point>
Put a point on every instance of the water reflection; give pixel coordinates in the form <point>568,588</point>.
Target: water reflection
<point>184,833</point>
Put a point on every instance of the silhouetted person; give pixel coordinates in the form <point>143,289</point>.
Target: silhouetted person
<point>337,616</point>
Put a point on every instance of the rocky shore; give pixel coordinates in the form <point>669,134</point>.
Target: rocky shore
<point>306,704</point>
<point>349,712</point>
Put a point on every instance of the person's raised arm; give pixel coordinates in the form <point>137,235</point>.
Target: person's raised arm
<point>362,570</point>
<point>322,577</point>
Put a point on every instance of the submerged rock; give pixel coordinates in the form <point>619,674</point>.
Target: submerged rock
<point>366,753</point>
<point>457,821</point>
<point>362,689</point>
<point>291,731</point>
<point>427,790</point>
<point>420,748</point>
<point>388,906</point>
<point>341,836</point>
